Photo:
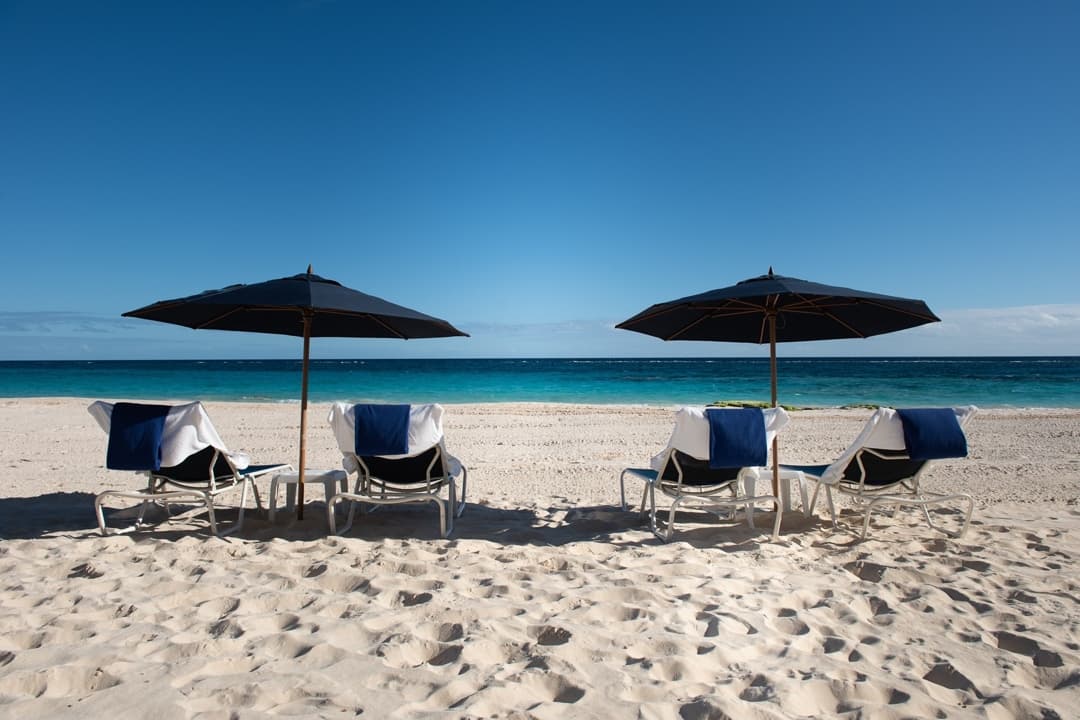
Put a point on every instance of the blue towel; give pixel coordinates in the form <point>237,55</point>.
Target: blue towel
<point>135,436</point>
<point>932,433</point>
<point>381,429</point>
<point>736,438</point>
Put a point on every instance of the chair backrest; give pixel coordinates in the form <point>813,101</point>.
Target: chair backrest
<point>879,455</point>
<point>187,431</point>
<point>686,457</point>
<point>686,469</point>
<point>426,459</point>
<point>425,428</point>
<point>206,467</point>
<point>423,469</point>
<point>188,440</point>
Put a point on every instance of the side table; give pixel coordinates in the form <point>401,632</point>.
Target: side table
<point>331,480</point>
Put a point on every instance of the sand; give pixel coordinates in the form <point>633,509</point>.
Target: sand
<point>547,601</point>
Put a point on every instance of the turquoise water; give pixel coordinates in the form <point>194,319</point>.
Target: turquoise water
<point>816,382</point>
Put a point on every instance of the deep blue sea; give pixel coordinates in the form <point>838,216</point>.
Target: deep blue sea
<point>813,382</point>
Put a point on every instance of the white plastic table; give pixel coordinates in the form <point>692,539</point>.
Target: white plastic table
<point>331,480</point>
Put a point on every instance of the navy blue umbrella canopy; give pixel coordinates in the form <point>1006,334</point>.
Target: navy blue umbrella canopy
<point>802,310</point>
<point>280,306</point>
<point>304,305</point>
<point>771,309</point>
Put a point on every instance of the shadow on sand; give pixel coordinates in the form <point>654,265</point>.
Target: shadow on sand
<point>73,514</point>
<point>32,517</point>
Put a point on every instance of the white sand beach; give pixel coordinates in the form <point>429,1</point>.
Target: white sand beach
<point>547,601</point>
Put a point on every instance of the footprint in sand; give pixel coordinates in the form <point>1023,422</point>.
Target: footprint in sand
<point>945,675</point>
<point>225,629</point>
<point>446,655</point>
<point>871,572</point>
<point>833,644</point>
<point>555,686</point>
<point>961,597</point>
<point>725,622</point>
<point>759,690</point>
<point>409,599</point>
<point>551,635</point>
<point>1026,646</point>
<point>790,625</point>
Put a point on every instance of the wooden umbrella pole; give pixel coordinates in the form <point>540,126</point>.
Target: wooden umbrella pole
<point>303,418</point>
<point>772,372</point>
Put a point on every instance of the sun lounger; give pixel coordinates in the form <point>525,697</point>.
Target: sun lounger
<point>398,455</point>
<point>711,463</point>
<point>886,462</point>
<point>182,456</point>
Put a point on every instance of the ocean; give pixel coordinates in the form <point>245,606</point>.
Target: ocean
<point>803,382</point>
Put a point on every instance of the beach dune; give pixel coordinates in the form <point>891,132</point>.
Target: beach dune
<point>547,601</point>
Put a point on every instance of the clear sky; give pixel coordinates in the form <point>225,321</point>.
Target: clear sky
<point>535,172</point>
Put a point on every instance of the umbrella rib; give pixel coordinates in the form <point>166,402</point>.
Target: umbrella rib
<point>749,307</point>
<point>818,304</point>
<point>928,317</point>
<point>686,328</point>
<point>233,311</point>
<point>815,307</point>
<point>221,316</point>
<point>374,318</point>
<point>820,310</point>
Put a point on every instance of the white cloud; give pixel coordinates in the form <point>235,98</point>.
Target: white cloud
<point>1024,330</point>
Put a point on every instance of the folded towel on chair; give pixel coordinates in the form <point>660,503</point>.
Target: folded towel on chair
<point>381,429</point>
<point>932,433</point>
<point>736,438</point>
<point>135,437</point>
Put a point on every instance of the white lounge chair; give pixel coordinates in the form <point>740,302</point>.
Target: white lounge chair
<point>416,475</point>
<point>182,456</point>
<point>684,472</point>
<point>881,468</point>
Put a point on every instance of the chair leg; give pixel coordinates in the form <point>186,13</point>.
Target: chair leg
<point>671,522</point>
<point>448,528</point>
<point>331,515</point>
<point>100,515</point>
<point>255,490</point>
<point>866,521</point>
<point>776,526</point>
<point>464,484</point>
<point>349,519</point>
<point>210,512</point>
<point>748,489</point>
<point>967,516</point>
<point>622,490</point>
<point>802,495</point>
<point>965,498</point>
<point>650,492</point>
<point>813,498</point>
<point>443,531</point>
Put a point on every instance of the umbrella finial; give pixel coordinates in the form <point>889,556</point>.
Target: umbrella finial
<point>770,271</point>
<point>309,269</point>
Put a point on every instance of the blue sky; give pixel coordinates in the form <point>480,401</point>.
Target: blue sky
<point>537,172</point>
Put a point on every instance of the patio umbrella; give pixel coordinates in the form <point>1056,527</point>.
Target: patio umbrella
<point>771,309</point>
<point>304,305</point>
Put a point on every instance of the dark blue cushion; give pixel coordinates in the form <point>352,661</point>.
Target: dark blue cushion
<point>932,433</point>
<point>736,438</point>
<point>381,429</point>
<point>135,436</point>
